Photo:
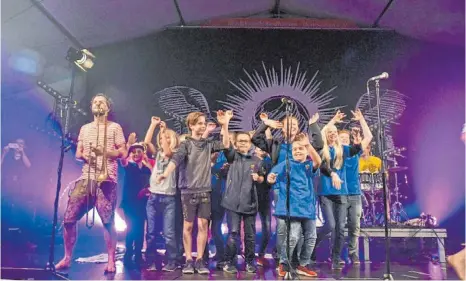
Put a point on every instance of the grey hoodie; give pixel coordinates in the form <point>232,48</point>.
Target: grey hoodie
<point>193,162</point>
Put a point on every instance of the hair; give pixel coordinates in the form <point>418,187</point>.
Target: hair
<point>174,140</point>
<point>193,118</point>
<point>241,133</point>
<point>290,117</point>
<point>326,150</point>
<point>344,132</point>
<point>108,101</point>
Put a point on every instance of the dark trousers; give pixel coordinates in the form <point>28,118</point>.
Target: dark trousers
<point>231,250</point>
<point>266,217</point>
<point>218,213</point>
<point>334,214</point>
<point>134,218</point>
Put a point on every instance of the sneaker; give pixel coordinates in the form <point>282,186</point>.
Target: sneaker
<point>354,258</point>
<point>188,267</point>
<point>261,261</point>
<point>331,261</point>
<point>306,271</point>
<point>282,270</point>
<point>201,267</point>
<point>152,267</point>
<point>170,266</point>
<point>220,265</point>
<point>337,266</point>
<point>229,268</point>
<point>251,268</point>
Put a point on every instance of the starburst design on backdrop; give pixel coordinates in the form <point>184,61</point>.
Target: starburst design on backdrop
<point>262,92</point>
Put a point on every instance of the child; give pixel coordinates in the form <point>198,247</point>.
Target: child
<point>241,202</point>
<point>302,203</point>
<point>195,182</point>
<point>137,173</point>
<point>162,197</point>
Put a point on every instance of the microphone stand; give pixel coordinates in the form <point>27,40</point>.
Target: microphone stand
<point>381,145</point>
<point>289,275</point>
<point>64,131</point>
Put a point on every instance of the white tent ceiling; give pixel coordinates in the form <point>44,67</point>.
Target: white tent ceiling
<point>27,30</point>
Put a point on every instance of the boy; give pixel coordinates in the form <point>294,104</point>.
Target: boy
<point>302,203</point>
<point>195,182</point>
<point>241,202</point>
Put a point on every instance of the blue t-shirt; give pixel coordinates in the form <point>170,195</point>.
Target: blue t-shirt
<point>302,196</point>
<point>326,187</point>
<point>352,175</point>
<point>282,153</point>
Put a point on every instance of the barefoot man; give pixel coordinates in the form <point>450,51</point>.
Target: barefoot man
<point>90,150</point>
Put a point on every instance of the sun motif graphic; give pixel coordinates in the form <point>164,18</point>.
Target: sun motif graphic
<point>263,93</point>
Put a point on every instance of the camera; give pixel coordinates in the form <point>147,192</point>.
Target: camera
<point>13,145</point>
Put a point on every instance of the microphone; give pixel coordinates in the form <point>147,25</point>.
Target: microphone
<point>286,101</point>
<point>379,77</point>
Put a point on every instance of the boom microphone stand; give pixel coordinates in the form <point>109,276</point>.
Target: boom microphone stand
<point>381,145</point>
<point>288,105</point>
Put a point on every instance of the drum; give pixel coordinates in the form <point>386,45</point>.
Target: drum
<point>366,181</point>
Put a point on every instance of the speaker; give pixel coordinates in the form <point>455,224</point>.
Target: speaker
<point>12,273</point>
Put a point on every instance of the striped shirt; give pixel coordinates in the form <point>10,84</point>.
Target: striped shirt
<point>88,137</point>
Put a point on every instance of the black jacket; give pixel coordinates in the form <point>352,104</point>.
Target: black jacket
<point>273,146</point>
<point>241,192</point>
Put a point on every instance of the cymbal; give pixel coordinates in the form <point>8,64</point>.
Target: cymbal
<point>397,169</point>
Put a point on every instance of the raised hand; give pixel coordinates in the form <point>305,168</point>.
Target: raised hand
<point>221,118</point>
<point>272,178</point>
<point>229,114</point>
<point>263,116</point>
<point>339,116</point>
<point>155,120</point>
<point>211,126</point>
<point>314,118</point>
<point>132,139</point>
<point>357,115</point>
<point>163,126</point>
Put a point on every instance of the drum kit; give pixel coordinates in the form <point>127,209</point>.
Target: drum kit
<point>372,188</point>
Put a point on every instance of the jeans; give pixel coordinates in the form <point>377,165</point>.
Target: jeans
<point>231,250</point>
<point>134,240</point>
<point>265,216</point>
<point>159,205</point>
<point>305,228</point>
<point>218,213</point>
<point>334,214</point>
<point>354,223</point>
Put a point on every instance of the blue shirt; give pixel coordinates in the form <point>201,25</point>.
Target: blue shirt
<point>352,174</point>
<point>302,196</point>
<point>282,153</point>
<point>326,187</point>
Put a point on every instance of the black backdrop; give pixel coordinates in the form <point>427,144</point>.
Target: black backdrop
<point>207,59</point>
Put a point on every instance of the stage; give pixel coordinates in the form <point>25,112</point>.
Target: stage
<point>412,259</point>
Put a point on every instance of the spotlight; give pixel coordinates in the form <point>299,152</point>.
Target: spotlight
<point>81,58</point>
<point>120,224</point>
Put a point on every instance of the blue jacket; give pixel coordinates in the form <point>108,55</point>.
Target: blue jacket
<point>302,195</point>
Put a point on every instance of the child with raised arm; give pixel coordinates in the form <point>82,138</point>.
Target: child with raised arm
<point>302,204</point>
<point>195,182</point>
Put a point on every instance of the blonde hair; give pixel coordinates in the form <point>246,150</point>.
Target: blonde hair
<point>338,163</point>
<point>174,141</point>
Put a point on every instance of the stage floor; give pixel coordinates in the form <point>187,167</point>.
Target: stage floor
<point>408,262</point>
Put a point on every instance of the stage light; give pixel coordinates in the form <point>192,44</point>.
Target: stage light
<point>120,224</point>
<point>81,58</point>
